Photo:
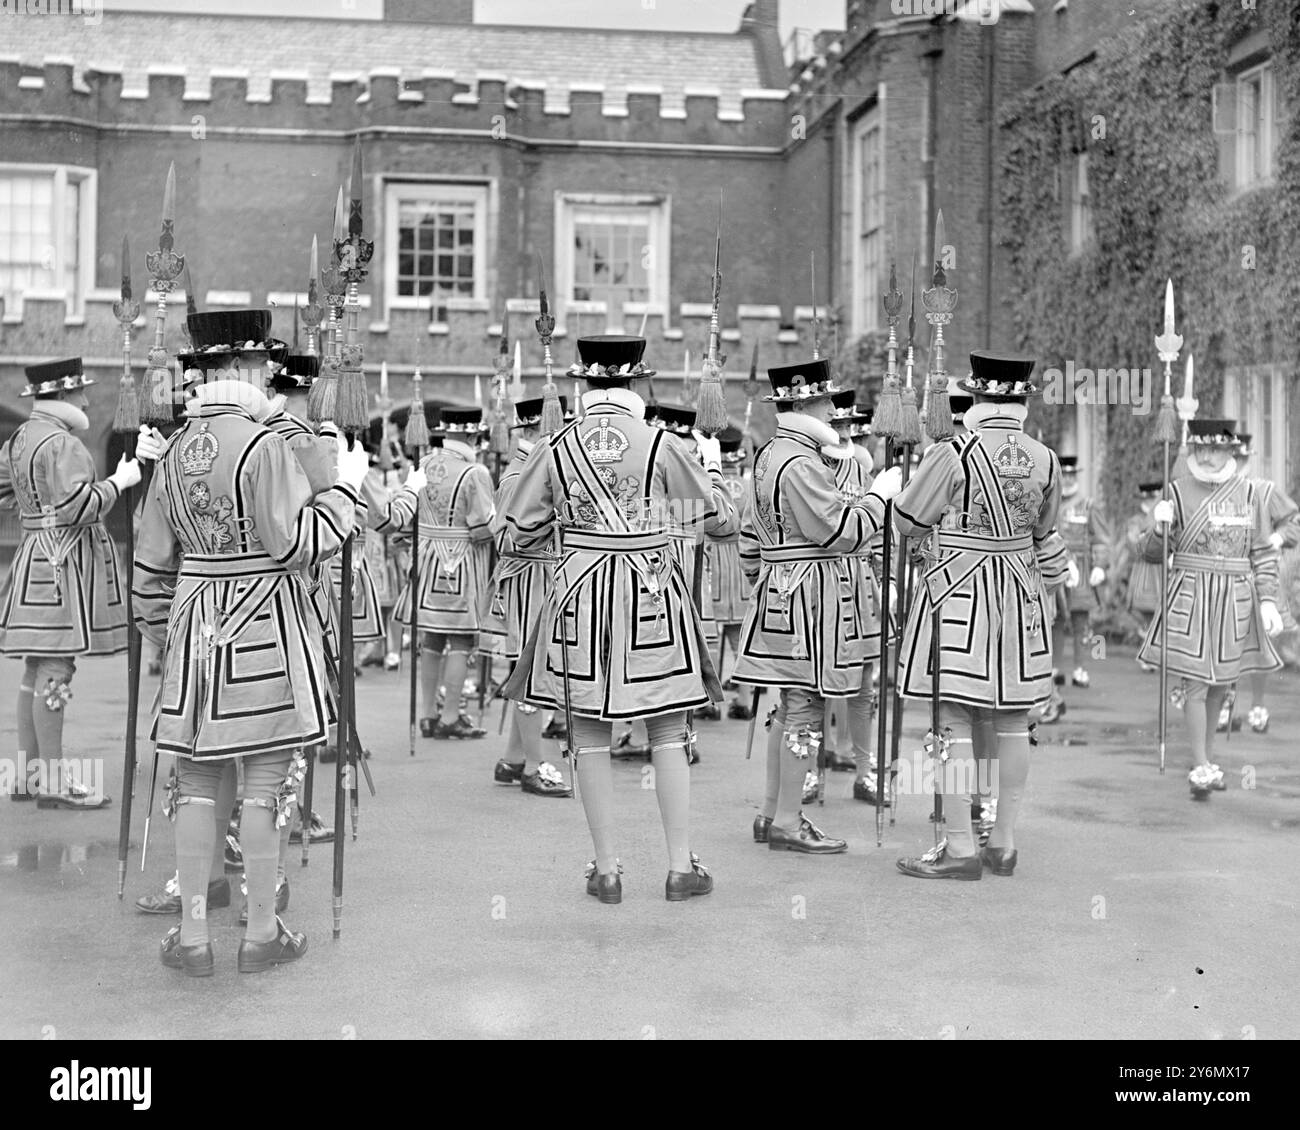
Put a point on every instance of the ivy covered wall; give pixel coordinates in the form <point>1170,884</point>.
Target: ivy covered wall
<point>1160,209</point>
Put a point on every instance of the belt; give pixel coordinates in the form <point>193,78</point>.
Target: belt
<point>612,542</point>
<point>793,554</point>
<point>444,533</point>
<point>984,543</point>
<point>522,555</point>
<point>35,523</point>
<point>1204,563</point>
<point>211,566</point>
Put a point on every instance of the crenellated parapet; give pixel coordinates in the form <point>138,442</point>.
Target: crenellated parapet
<point>494,106</point>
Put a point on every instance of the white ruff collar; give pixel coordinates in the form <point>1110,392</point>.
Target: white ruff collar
<point>1212,478</point>
<point>460,450</point>
<point>61,412</point>
<point>821,433</point>
<point>623,398</point>
<point>977,414</point>
<point>240,393</point>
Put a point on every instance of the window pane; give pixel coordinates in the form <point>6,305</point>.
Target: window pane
<point>608,256</point>
<point>28,256</point>
<point>442,235</point>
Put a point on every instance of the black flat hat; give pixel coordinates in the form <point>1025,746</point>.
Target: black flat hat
<point>671,418</point>
<point>1212,432</point>
<point>731,441</point>
<point>50,378</point>
<point>1068,462</point>
<point>1000,376</point>
<point>960,403</point>
<point>528,413</point>
<point>610,359</point>
<point>1150,489</point>
<point>808,380</point>
<point>300,369</point>
<point>217,335</point>
<point>464,421</point>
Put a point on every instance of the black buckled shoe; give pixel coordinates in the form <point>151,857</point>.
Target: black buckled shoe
<point>625,750</point>
<point>555,731</point>
<point>286,946</point>
<point>607,888</point>
<point>739,711</point>
<point>281,900</point>
<point>1001,861</point>
<point>838,763</point>
<point>545,780</point>
<point>938,864</point>
<point>507,772</point>
<point>196,961</point>
<point>864,789</point>
<point>761,825</point>
<point>320,833</point>
<point>682,885</point>
<point>169,900</point>
<point>459,730</point>
<point>710,713</point>
<point>427,726</point>
<point>809,839</point>
<point>75,797</point>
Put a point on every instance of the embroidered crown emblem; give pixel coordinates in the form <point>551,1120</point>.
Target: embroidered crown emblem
<point>605,444</point>
<point>1011,461</point>
<point>199,452</point>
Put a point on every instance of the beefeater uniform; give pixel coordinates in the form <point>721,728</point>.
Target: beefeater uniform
<point>520,582</point>
<point>988,502</point>
<point>1283,516</point>
<point>228,533</point>
<point>521,578</point>
<point>1223,588</point>
<point>1143,595</point>
<point>728,590</point>
<point>455,511</point>
<point>805,631</point>
<point>618,636</point>
<point>455,545</point>
<point>1223,567</point>
<point>1086,534</point>
<point>615,484</point>
<point>852,465</point>
<point>63,595</point>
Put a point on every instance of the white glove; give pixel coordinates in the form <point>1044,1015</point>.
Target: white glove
<point>354,464</point>
<point>1275,539</point>
<point>710,449</point>
<point>1163,512</point>
<point>417,480</point>
<point>126,475</point>
<point>1071,576</point>
<point>888,483</point>
<point>1096,576</point>
<point>1272,617</point>
<point>150,444</point>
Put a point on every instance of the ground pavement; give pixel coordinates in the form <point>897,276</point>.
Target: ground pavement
<point>1133,913</point>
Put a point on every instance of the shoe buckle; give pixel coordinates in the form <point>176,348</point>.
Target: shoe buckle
<point>936,853</point>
